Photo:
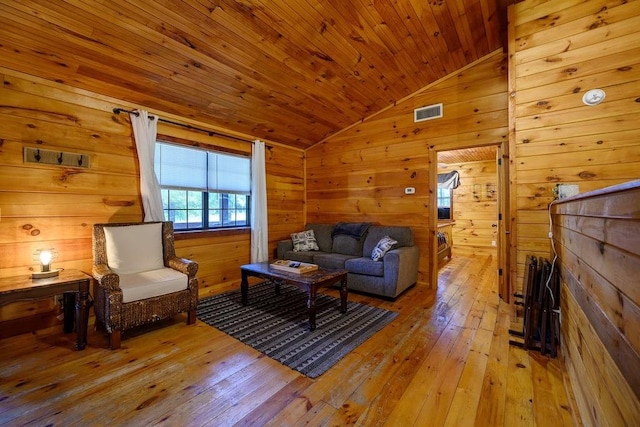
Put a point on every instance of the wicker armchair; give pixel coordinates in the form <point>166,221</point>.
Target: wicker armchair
<point>136,281</point>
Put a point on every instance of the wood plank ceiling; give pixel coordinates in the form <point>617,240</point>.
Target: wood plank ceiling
<point>291,71</point>
<point>464,155</point>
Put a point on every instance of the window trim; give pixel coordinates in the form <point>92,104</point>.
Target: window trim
<point>213,232</point>
<point>450,204</point>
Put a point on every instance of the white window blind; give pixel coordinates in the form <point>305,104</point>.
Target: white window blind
<point>193,169</point>
<point>229,174</point>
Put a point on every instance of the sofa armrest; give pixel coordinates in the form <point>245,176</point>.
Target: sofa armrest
<point>184,266</point>
<point>401,267</point>
<point>283,247</point>
<point>106,278</point>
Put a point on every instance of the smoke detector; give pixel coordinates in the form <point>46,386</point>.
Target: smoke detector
<point>593,97</point>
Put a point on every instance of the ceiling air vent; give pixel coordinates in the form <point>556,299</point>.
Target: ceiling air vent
<point>427,113</point>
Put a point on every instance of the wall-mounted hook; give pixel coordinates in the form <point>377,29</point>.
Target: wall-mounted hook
<point>57,158</point>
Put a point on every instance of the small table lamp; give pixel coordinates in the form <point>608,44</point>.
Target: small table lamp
<point>45,260</point>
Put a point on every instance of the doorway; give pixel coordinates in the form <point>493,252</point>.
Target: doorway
<point>477,207</point>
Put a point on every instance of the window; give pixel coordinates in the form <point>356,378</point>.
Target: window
<point>201,189</point>
<point>444,203</point>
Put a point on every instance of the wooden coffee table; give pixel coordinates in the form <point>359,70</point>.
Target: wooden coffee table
<point>308,282</point>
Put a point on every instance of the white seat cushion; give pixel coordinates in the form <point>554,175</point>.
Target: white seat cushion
<point>134,248</point>
<point>152,283</point>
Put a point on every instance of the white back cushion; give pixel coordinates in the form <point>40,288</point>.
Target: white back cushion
<point>134,248</point>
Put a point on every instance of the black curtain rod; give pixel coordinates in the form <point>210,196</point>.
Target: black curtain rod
<point>211,133</point>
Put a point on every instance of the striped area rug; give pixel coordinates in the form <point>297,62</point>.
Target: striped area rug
<point>278,325</point>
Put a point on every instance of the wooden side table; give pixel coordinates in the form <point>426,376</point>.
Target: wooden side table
<point>24,288</point>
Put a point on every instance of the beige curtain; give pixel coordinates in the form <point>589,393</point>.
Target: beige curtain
<point>259,225</point>
<point>145,130</point>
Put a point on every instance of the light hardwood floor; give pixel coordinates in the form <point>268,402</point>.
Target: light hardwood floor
<point>445,360</point>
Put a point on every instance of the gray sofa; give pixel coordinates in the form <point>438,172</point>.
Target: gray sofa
<point>397,271</point>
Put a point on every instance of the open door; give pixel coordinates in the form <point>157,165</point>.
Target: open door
<point>503,240</point>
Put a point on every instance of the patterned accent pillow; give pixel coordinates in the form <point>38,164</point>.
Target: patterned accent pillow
<point>384,245</point>
<point>304,241</point>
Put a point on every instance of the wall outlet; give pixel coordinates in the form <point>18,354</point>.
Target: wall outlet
<point>493,243</point>
<point>59,300</point>
<point>410,190</point>
<point>567,190</point>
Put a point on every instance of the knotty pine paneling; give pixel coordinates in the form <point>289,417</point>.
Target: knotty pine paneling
<point>48,206</point>
<point>597,238</point>
<point>297,69</point>
<point>360,174</point>
<point>475,203</point>
<point>561,50</point>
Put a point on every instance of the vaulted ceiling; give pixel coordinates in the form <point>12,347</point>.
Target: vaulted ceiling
<point>291,71</point>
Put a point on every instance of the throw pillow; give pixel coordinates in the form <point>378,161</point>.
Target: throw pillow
<point>304,241</point>
<point>384,245</point>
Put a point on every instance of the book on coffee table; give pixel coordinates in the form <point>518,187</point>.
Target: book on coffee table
<point>293,266</point>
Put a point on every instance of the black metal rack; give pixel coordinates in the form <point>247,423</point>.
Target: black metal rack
<point>540,302</point>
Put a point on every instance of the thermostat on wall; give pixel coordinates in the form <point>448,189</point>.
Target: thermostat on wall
<point>410,190</point>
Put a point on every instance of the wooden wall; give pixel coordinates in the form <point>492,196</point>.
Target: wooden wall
<point>475,203</point>
<point>51,206</point>
<point>597,238</point>
<point>360,174</point>
<point>559,51</point>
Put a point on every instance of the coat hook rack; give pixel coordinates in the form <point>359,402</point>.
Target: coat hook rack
<point>56,158</point>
